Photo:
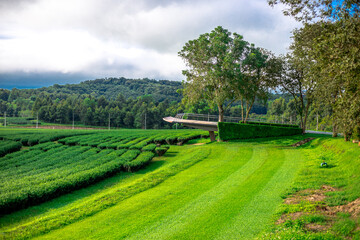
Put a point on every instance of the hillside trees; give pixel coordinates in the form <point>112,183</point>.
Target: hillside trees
<point>223,68</point>
<point>127,113</point>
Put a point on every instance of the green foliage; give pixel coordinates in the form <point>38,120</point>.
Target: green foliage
<point>161,150</point>
<point>9,147</point>
<point>274,124</point>
<point>228,131</point>
<point>310,10</point>
<point>150,147</point>
<point>79,211</point>
<point>223,68</point>
<point>226,190</point>
<point>314,218</point>
<point>49,169</point>
<point>344,227</point>
<point>139,162</point>
<point>343,173</point>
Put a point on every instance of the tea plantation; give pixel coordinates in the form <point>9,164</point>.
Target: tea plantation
<point>74,184</point>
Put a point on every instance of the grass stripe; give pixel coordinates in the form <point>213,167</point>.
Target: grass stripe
<point>260,210</point>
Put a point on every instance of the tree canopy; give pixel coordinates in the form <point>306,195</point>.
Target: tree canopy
<point>223,68</point>
<point>328,46</point>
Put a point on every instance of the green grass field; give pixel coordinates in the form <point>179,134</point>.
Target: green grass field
<point>226,190</point>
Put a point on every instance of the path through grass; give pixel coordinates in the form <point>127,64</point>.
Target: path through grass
<point>230,194</point>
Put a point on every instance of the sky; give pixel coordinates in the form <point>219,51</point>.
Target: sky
<point>43,42</point>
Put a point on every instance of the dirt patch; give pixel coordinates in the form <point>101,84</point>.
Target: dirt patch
<point>352,208</point>
<point>302,142</point>
<point>289,216</point>
<point>330,214</point>
<point>317,227</point>
<point>318,195</point>
<point>197,144</point>
<point>310,195</point>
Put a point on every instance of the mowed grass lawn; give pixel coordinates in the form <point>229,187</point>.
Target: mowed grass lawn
<point>232,192</point>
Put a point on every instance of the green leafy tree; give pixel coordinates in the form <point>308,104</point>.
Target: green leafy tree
<point>334,49</point>
<point>255,82</point>
<point>213,62</point>
<point>314,10</point>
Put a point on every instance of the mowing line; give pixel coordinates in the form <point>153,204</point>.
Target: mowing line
<point>174,223</point>
<point>259,211</point>
<point>207,224</point>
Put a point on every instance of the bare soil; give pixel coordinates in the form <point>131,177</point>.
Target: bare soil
<point>302,142</point>
<point>318,196</point>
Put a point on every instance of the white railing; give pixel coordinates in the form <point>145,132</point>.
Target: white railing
<point>215,118</point>
<point>211,118</point>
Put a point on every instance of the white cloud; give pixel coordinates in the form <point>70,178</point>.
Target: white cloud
<point>126,38</point>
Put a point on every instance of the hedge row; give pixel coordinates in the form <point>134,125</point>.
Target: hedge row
<point>9,147</point>
<point>87,168</point>
<point>150,147</point>
<point>274,124</point>
<point>49,169</point>
<point>31,139</point>
<point>139,162</point>
<point>229,131</point>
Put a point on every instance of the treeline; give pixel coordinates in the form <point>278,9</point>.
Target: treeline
<point>143,112</point>
<point>19,102</point>
<point>321,71</point>
<point>95,103</point>
<point>283,110</point>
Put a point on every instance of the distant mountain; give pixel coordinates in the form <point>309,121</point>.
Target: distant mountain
<point>110,88</point>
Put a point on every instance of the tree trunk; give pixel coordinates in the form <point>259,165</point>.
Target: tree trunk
<point>334,133</point>
<point>305,117</point>
<point>248,109</point>
<point>242,110</point>
<point>221,113</point>
<point>347,136</point>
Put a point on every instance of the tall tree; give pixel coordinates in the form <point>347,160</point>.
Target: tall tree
<point>314,10</point>
<point>254,83</point>
<point>213,62</point>
<point>335,53</point>
<point>223,68</point>
<point>291,78</point>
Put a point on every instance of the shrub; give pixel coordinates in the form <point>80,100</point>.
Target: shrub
<point>229,131</point>
<point>160,150</point>
<point>151,147</point>
<point>9,147</point>
<point>141,160</point>
<point>274,124</point>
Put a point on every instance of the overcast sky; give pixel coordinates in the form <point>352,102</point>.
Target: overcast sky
<point>43,42</point>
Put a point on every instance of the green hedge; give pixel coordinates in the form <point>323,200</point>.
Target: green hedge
<point>274,124</point>
<point>229,131</point>
<point>9,147</point>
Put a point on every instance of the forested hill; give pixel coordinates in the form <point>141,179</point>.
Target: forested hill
<point>110,88</point>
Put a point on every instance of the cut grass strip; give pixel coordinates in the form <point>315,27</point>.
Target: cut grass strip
<point>201,201</point>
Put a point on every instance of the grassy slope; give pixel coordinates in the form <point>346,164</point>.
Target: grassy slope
<point>232,193</point>
<point>343,173</point>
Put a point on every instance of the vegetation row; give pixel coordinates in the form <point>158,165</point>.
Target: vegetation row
<point>229,131</point>
<point>47,170</point>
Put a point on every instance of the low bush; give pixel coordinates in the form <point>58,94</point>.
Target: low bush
<point>229,131</point>
<point>141,160</point>
<point>151,147</point>
<point>160,150</point>
<point>273,124</point>
<point>9,147</point>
